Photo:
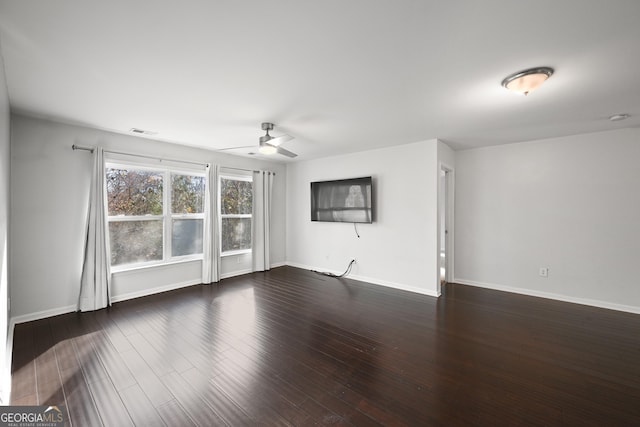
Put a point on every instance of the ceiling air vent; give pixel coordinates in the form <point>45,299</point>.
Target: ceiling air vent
<point>142,132</point>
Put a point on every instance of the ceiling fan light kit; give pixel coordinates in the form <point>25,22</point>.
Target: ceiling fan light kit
<point>267,149</point>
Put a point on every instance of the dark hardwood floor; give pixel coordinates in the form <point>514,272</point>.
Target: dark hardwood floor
<point>290,347</point>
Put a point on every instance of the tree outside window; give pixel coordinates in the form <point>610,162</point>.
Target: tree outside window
<point>236,206</point>
<point>187,214</point>
<point>154,215</point>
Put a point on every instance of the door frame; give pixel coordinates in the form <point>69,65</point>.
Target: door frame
<point>446,201</point>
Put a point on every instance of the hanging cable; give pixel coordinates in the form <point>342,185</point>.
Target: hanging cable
<point>356,229</point>
<point>337,276</point>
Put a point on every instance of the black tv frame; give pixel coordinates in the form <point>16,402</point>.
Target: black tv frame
<point>340,212</point>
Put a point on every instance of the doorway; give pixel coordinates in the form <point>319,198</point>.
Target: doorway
<point>445,221</point>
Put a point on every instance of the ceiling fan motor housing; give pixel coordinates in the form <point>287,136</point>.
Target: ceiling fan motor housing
<point>266,126</point>
<point>271,145</point>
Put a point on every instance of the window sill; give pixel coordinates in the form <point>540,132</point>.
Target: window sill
<point>238,252</point>
<point>134,267</point>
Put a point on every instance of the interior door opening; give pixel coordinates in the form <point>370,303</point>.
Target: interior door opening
<point>444,252</point>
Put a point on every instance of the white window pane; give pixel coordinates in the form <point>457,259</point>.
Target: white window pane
<point>186,237</point>
<point>236,234</point>
<point>135,241</point>
<point>187,194</point>
<point>134,192</point>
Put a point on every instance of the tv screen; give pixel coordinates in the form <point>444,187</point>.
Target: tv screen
<point>344,200</point>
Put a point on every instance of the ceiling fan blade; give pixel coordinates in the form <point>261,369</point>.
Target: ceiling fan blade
<point>235,148</point>
<point>286,152</point>
<point>277,140</point>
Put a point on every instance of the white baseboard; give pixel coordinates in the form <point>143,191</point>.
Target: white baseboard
<point>117,298</point>
<point>43,314</point>
<point>278,264</point>
<point>372,280</point>
<point>248,271</point>
<point>151,291</point>
<point>549,295</point>
<point>6,375</point>
<point>122,297</point>
<point>234,274</point>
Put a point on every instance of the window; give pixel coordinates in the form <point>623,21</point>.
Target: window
<point>187,214</point>
<point>236,197</point>
<point>154,215</point>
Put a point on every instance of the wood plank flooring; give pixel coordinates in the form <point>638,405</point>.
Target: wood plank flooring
<point>290,347</point>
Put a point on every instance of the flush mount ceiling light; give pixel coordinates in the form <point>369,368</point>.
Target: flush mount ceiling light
<point>527,80</point>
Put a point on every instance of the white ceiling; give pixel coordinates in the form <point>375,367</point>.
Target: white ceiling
<point>339,75</point>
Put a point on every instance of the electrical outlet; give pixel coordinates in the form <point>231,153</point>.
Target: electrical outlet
<point>544,272</point>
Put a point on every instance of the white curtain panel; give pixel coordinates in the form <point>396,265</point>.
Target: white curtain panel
<point>211,260</point>
<point>261,227</point>
<point>95,284</point>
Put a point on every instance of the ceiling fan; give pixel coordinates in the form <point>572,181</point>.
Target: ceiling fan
<point>268,144</point>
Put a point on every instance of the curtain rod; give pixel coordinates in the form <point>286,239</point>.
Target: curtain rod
<point>245,170</point>
<point>91,149</point>
<point>80,147</point>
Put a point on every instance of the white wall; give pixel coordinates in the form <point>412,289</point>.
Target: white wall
<point>446,156</point>
<point>5,358</point>
<point>400,248</point>
<point>49,198</point>
<point>571,204</point>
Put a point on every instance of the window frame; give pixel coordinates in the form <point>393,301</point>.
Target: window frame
<point>167,216</point>
<point>172,216</point>
<point>238,177</point>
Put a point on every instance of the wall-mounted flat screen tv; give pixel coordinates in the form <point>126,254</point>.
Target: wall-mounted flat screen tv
<point>344,200</point>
